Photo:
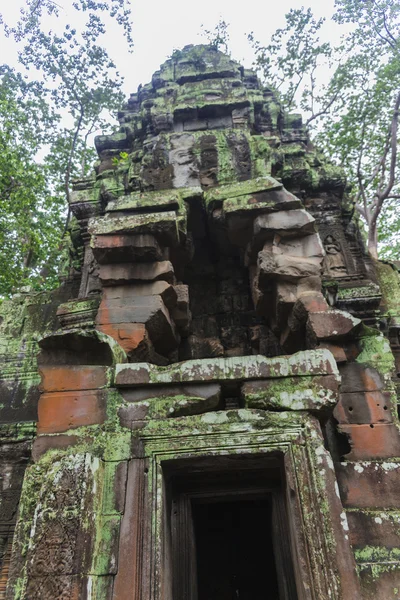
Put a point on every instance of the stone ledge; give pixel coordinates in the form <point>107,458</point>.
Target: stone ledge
<point>242,368</point>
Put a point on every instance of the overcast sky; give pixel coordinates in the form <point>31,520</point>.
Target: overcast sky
<point>160,26</point>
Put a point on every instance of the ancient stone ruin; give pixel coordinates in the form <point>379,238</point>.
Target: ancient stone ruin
<point>206,408</point>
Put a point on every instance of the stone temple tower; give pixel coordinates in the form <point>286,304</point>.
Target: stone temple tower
<point>206,408</point>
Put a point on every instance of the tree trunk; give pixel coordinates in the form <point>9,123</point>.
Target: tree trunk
<point>373,241</point>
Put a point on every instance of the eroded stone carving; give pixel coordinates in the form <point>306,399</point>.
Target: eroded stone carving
<point>334,260</point>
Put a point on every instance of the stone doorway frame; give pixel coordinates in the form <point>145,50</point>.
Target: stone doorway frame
<point>322,557</point>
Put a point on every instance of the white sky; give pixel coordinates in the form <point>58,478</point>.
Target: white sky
<point>160,26</point>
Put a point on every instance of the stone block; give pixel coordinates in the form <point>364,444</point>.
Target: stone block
<point>122,294</point>
<point>105,559</point>
<point>292,393</point>
<point>371,442</point>
<point>163,226</point>
<point>311,362</point>
<point>364,408</point>
<point>43,443</point>
<point>148,310</point>
<point>80,312</point>
<point>309,284</point>
<point>131,336</point>
<point>337,351</point>
<point>373,527</point>
<point>68,378</point>
<point>285,268</point>
<point>168,401</point>
<point>357,377</point>
<point>181,313</point>
<point>309,246</point>
<point>330,324</point>
<point>138,272</point>
<point>61,411</point>
<point>380,580</point>
<point>306,303</point>
<point>285,223</point>
<point>114,488</point>
<point>215,196</point>
<point>369,484</point>
<point>109,249</point>
<point>145,201</point>
<point>260,202</point>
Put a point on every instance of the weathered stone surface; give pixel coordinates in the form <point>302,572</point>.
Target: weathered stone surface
<point>364,407</point>
<point>332,324</point>
<point>308,246</point>
<point>369,484</point>
<point>121,294</point>
<point>43,443</point>
<point>148,310</point>
<point>61,411</point>
<point>291,393</point>
<point>145,201</point>
<point>286,268</point>
<point>78,313</point>
<point>371,442</point>
<point>337,351</point>
<point>357,377</point>
<point>126,248</point>
<point>313,362</point>
<point>79,347</point>
<point>373,528</point>
<point>163,226</point>
<point>68,378</point>
<point>168,402</point>
<point>181,313</point>
<point>284,223</point>
<point>137,272</point>
<point>215,196</point>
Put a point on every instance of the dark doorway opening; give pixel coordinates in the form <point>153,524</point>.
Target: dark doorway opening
<point>234,548</point>
<point>227,529</point>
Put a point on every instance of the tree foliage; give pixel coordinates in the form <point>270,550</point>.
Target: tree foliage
<point>73,88</point>
<point>354,112</point>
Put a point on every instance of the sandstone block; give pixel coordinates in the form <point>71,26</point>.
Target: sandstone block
<point>168,401</point>
<point>370,528</point>
<point>68,378</point>
<point>138,272</point>
<point>308,302</point>
<point>308,246</point>
<point>144,201</point>
<point>284,267</point>
<point>357,377</point>
<point>181,313</point>
<point>43,443</point>
<point>215,196</point>
<point>330,324</point>
<point>126,248</point>
<point>310,362</point>
<point>371,442</point>
<point>292,393</point>
<point>337,351</point>
<point>129,335</point>
<point>134,339</point>
<point>163,226</point>
<point>286,223</point>
<point>370,484</point>
<point>122,294</point>
<point>148,310</point>
<point>364,408</point>
<point>61,411</point>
